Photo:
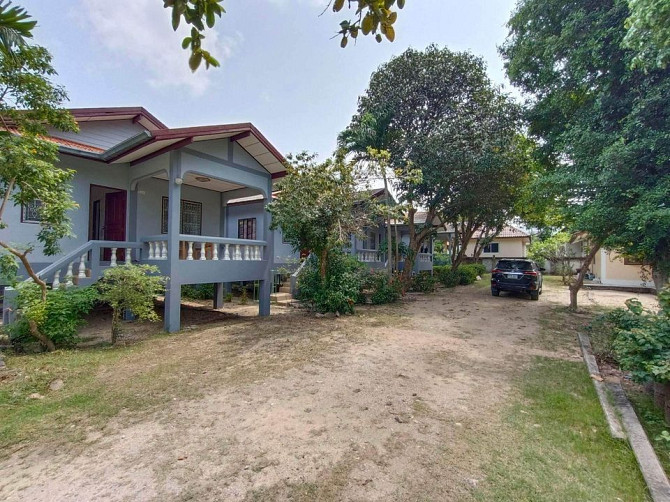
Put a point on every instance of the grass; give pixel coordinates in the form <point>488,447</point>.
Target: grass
<point>653,421</point>
<point>556,446</point>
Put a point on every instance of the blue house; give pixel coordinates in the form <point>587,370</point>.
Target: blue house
<point>160,196</point>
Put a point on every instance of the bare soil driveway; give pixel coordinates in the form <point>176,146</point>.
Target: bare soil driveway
<point>402,402</point>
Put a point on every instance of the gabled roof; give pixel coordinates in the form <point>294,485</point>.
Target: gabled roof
<point>157,139</point>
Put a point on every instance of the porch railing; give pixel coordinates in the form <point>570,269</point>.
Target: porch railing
<point>368,255</point>
<point>424,257</point>
<point>84,262</point>
<point>200,247</point>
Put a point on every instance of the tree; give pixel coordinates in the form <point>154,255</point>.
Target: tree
<point>318,207</point>
<point>603,126</point>
<point>371,17</point>
<point>556,250</point>
<point>15,27</point>
<point>130,288</point>
<point>447,130</point>
<point>29,102</point>
<point>649,32</point>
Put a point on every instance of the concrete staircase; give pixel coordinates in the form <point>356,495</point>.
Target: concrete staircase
<point>283,297</point>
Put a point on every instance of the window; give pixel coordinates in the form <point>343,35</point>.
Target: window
<point>191,217</point>
<point>30,212</point>
<point>491,248</point>
<point>246,228</point>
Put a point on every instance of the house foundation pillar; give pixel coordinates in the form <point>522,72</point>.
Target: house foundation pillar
<point>172,316</point>
<point>218,295</point>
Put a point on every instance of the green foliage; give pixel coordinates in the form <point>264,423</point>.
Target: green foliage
<point>132,288</point>
<point>463,275</point>
<point>342,285</point>
<point>15,26</point>
<point>371,17</point>
<point>424,282</point>
<point>649,32</point>
<point>198,291</point>
<point>228,298</point>
<point>440,259</point>
<point>317,206</point>
<point>59,318</point>
<point>640,339</point>
<point>603,126</point>
<point>379,287</point>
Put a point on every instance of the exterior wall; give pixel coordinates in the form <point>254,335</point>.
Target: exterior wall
<point>611,270</point>
<point>508,247</point>
<point>238,212</point>
<point>149,207</point>
<point>101,133</point>
<point>87,173</point>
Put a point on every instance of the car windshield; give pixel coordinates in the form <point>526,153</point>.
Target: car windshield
<point>514,265</point>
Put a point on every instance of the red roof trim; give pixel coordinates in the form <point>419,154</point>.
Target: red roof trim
<point>115,112</point>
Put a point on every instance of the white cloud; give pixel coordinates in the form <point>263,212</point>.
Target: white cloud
<point>139,32</point>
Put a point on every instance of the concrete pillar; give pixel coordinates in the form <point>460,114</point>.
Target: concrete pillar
<point>218,295</point>
<point>132,213</point>
<point>265,288</point>
<point>173,289</point>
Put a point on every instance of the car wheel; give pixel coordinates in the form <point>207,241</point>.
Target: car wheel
<point>535,295</point>
<point>495,292</point>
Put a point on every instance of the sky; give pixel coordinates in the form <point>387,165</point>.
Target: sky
<point>280,68</point>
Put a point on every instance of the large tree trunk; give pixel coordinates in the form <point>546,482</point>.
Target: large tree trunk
<point>576,285</point>
<point>660,277</point>
<point>411,253</point>
<point>389,246</point>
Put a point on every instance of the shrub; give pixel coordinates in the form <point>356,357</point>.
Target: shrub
<point>133,288</point>
<point>441,259</point>
<point>380,288</point>
<point>424,282</point>
<point>467,274</point>
<point>640,339</point>
<point>59,318</point>
<point>446,276</point>
<point>479,267</point>
<point>228,298</point>
<point>341,288</point>
<point>198,291</point>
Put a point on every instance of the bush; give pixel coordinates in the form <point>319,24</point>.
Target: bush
<point>446,276</point>
<point>441,259</point>
<point>424,282</point>
<point>380,288</point>
<point>198,291</point>
<point>341,288</point>
<point>479,267</point>
<point>59,319</point>
<point>467,274</point>
<point>132,288</point>
<point>640,339</point>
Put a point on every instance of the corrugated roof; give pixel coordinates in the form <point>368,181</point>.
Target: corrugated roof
<point>65,142</point>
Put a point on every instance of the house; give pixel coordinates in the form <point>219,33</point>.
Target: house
<point>511,242</point>
<point>611,269</point>
<point>151,194</point>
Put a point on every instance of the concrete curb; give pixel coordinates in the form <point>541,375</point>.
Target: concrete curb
<point>612,419</point>
<point>651,468</point>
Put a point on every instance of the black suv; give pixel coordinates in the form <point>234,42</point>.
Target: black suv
<point>523,276</point>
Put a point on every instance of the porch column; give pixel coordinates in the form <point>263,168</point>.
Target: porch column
<point>173,289</point>
<point>265,289</point>
<point>132,213</point>
<point>218,295</point>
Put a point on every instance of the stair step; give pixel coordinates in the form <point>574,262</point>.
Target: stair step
<point>280,297</point>
<point>285,289</point>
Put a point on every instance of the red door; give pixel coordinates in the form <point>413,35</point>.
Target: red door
<point>115,221</point>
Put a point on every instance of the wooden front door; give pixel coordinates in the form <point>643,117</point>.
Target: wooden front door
<point>115,221</point>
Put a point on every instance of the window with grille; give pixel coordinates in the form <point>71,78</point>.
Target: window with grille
<point>30,212</point>
<point>492,248</point>
<point>246,228</point>
<point>191,217</point>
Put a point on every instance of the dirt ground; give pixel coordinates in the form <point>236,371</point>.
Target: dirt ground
<point>394,403</point>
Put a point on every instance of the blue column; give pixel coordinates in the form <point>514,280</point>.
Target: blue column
<point>173,290</point>
<point>218,295</point>
<point>265,289</point>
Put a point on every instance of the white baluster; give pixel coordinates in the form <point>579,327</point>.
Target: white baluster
<point>226,252</point>
<point>246,253</point>
<point>203,251</point>
<point>129,256</point>
<point>215,251</point>
<point>82,267</point>
<point>259,256</point>
<point>238,254</point>
<point>56,283</point>
<point>190,251</point>
<point>68,275</point>
<point>112,262</point>
<point>163,250</point>
<point>151,250</point>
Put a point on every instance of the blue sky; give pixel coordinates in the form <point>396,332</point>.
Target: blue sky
<point>280,69</point>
